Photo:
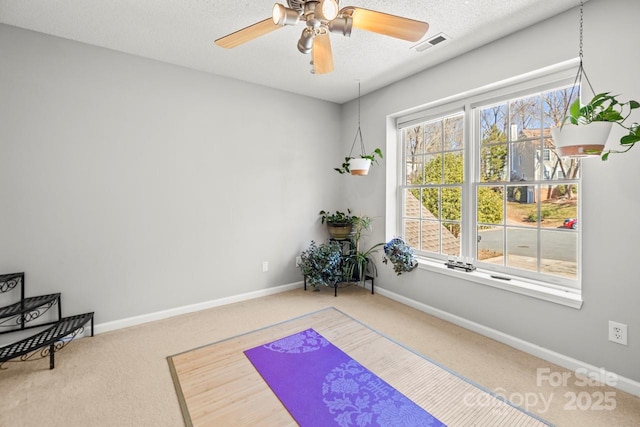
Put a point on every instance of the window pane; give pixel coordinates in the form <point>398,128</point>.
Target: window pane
<point>524,118</point>
<point>559,252</point>
<point>411,232</point>
<point>493,125</point>
<point>558,206</point>
<point>491,245</point>
<point>522,248</point>
<point>414,169</point>
<point>490,205</point>
<point>522,159</point>
<point>430,236</point>
<point>493,163</point>
<point>561,167</point>
<point>555,104</point>
<point>430,173</point>
<point>522,208</point>
<point>451,203</point>
<point>431,203</point>
<point>412,203</point>
<point>414,140</point>
<point>454,167</point>
<point>453,133</point>
<point>451,238</point>
<point>433,136</point>
<point>433,169</point>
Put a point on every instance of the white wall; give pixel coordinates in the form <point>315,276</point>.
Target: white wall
<point>611,202</point>
<point>133,186</point>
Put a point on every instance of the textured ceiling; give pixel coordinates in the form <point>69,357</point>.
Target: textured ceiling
<point>182,32</point>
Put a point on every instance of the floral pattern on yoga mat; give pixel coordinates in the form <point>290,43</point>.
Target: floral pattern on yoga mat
<point>322,386</point>
<point>303,342</point>
<point>358,398</point>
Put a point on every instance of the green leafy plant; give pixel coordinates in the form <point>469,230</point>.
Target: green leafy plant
<point>337,217</point>
<point>321,264</point>
<point>606,108</point>
<point>346,165</point>
<point>358,262</point>
<point>400,255</point>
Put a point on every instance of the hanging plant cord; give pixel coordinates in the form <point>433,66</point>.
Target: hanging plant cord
<point>359,131</point>
<point>581,72</point>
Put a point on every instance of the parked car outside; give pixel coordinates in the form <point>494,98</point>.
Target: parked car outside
<point>571,223</point>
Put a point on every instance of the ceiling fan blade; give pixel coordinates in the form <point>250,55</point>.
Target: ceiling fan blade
<point>322,56</point>
<point>386,24</point>
<point>247,34</point>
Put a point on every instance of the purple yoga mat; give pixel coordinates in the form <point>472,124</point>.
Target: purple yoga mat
<point>320,385</point>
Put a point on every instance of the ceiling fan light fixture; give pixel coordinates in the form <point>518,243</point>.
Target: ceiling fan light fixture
<point>341,25</point>
<point>327,10</point>
<point>284,16</point>
<point>305,44</point>
<point>320,18</point>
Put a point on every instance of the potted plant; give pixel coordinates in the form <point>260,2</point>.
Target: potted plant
<point>321,264</point>
<point>339,223</point>
<point>400,255</point>
<point>358,262</point>
<point>359,165</point>
<point>576,139</point>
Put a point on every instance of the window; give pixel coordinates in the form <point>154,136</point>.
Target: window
<point>434,173</point>
<point>481,180</point>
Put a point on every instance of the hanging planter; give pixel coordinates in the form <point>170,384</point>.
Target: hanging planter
<point>584,130</point>
<point>359,166</point>
<point>581,141</point>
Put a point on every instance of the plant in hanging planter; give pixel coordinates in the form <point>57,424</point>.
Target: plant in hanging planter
<point>603,110</point>
<point>321,264</point>
<point>359,165</point>
<point>589,125</point>
<point>339,223</point>
<point>400,255</point>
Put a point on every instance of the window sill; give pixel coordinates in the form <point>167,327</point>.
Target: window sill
<point>569,298</point>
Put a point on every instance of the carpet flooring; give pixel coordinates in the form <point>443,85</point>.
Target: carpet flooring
<point>122,378</point>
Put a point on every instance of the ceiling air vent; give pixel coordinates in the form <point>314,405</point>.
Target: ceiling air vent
<point>437,39</point>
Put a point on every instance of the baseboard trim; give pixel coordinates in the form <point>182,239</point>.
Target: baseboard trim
<point>622,383</point>
<point>159,315</point>
<point>625,384</point>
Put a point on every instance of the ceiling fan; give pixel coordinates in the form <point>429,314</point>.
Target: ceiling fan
<point>322,17</point>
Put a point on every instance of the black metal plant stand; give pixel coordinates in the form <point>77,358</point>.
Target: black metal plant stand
<point>17,316</point>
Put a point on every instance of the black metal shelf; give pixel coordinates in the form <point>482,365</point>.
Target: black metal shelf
<point>20,313</point>
<point>14,317</point>
<point>50,340</point>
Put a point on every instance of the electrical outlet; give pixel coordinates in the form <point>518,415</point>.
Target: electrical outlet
<point>298,261</point>
<point>617,332</point>
<point>265,266</point>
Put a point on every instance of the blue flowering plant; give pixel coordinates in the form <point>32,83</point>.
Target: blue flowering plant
<point>400,255</point>
<point>321,264</point>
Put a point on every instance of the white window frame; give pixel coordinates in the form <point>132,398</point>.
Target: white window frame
<point>548,78</point>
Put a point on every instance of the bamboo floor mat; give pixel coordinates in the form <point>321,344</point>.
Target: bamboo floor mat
<point>218,386</point>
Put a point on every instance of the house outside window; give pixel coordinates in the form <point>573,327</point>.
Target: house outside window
<point>481,180</point>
